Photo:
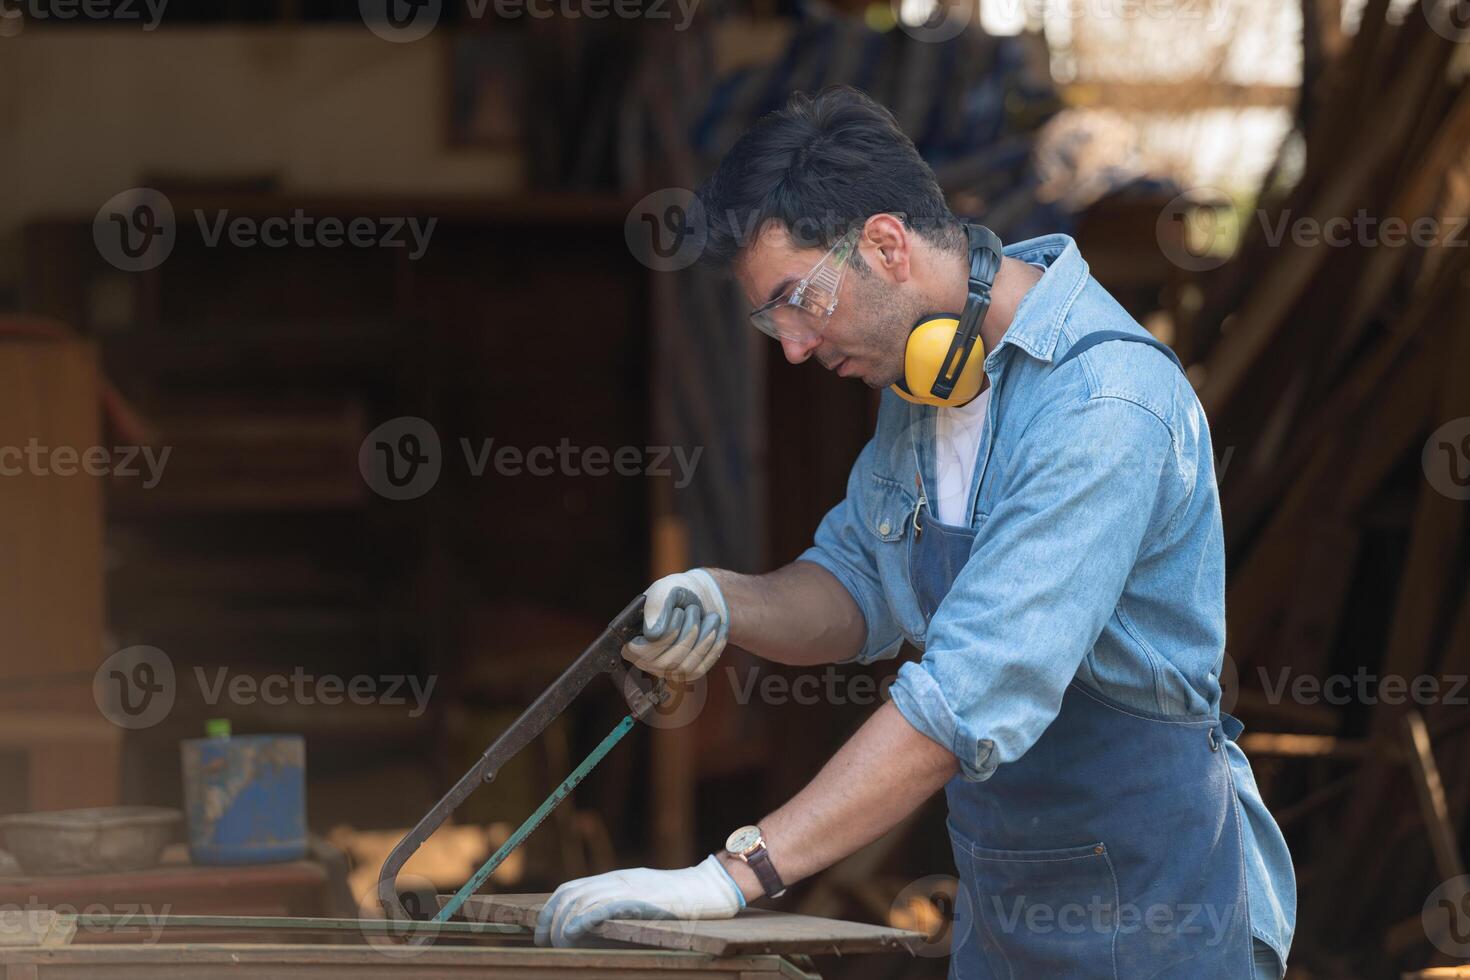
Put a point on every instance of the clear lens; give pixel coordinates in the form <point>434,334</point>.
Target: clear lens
<point>801,313</point>
<point>785,318</point>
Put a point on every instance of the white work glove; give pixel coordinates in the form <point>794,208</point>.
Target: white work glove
<point>685,625</point>
<point>705,891</point>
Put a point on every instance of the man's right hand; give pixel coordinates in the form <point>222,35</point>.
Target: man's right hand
<point>686,623</point>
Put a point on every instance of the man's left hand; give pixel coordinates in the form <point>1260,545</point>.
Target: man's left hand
<point>705,891</point>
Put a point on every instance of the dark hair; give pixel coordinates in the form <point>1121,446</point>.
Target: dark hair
<point>820,167</point>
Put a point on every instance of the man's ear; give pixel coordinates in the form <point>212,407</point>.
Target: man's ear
<point>886,246</point>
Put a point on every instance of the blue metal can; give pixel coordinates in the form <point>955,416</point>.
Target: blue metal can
<point>245,798</point>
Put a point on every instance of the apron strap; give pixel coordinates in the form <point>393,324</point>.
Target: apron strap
<point>1089,341</point>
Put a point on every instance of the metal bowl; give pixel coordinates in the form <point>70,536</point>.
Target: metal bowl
<point>95,839</point>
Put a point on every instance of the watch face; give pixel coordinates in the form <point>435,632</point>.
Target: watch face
<point>743,840</point>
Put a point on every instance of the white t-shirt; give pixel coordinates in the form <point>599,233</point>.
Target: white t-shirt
<point>957,434</point>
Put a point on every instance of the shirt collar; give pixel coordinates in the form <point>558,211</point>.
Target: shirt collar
<point>1038,319</point>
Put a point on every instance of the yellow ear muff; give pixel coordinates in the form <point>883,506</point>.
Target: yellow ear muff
<point>923,363</point>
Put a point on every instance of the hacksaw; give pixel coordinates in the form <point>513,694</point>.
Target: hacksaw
<point>604,656</point>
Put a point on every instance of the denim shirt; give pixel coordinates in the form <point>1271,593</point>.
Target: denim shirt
<point>1099,552</point>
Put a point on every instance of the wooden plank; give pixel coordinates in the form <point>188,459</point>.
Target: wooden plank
<point>1414,196</point>
<point>1432,804</point>
<point>36,927</point>
<point>1428,570</point>
<point>51,532</point>
<point>1266,307</point>
<point>752,931</point>
<point>1455,663</point>
<point>270,962</point>
<point>1294,746</point>
<point>51,595</point>
<point>1243,501</point>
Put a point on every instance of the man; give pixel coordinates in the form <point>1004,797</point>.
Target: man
<point>1054,546</point>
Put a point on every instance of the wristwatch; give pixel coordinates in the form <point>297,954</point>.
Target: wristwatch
<point>749,846</point>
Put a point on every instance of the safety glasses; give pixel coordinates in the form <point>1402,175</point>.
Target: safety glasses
<point>802,312</point>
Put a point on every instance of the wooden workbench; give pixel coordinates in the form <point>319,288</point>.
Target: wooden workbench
<point>272,962</point>
<point>755,945</point>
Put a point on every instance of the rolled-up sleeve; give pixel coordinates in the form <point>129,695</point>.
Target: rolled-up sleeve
<point>1076,502</point>
<point>844,547</point>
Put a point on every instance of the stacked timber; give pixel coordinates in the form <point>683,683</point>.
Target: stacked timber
<point>1333,356</point>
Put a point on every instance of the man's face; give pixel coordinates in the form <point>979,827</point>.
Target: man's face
<point>865,335</point>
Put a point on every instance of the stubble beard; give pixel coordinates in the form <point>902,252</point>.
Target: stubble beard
<point>887,322</point>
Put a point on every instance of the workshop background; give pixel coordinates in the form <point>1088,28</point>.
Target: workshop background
<point>281,280</point>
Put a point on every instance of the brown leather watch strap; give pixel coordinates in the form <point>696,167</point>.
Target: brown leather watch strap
<point>760,862</point>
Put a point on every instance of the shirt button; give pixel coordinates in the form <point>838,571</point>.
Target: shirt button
<point>885,527</point>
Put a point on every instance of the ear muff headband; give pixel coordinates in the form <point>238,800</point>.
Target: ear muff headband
<point>935,378</point>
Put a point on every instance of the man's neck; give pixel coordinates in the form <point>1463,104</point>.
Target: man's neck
<point>1012,282</point>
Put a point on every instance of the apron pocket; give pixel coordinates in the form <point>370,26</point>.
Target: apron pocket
<point>1040,914</point>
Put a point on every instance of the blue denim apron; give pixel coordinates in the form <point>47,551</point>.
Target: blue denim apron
<point>1112,848</point>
